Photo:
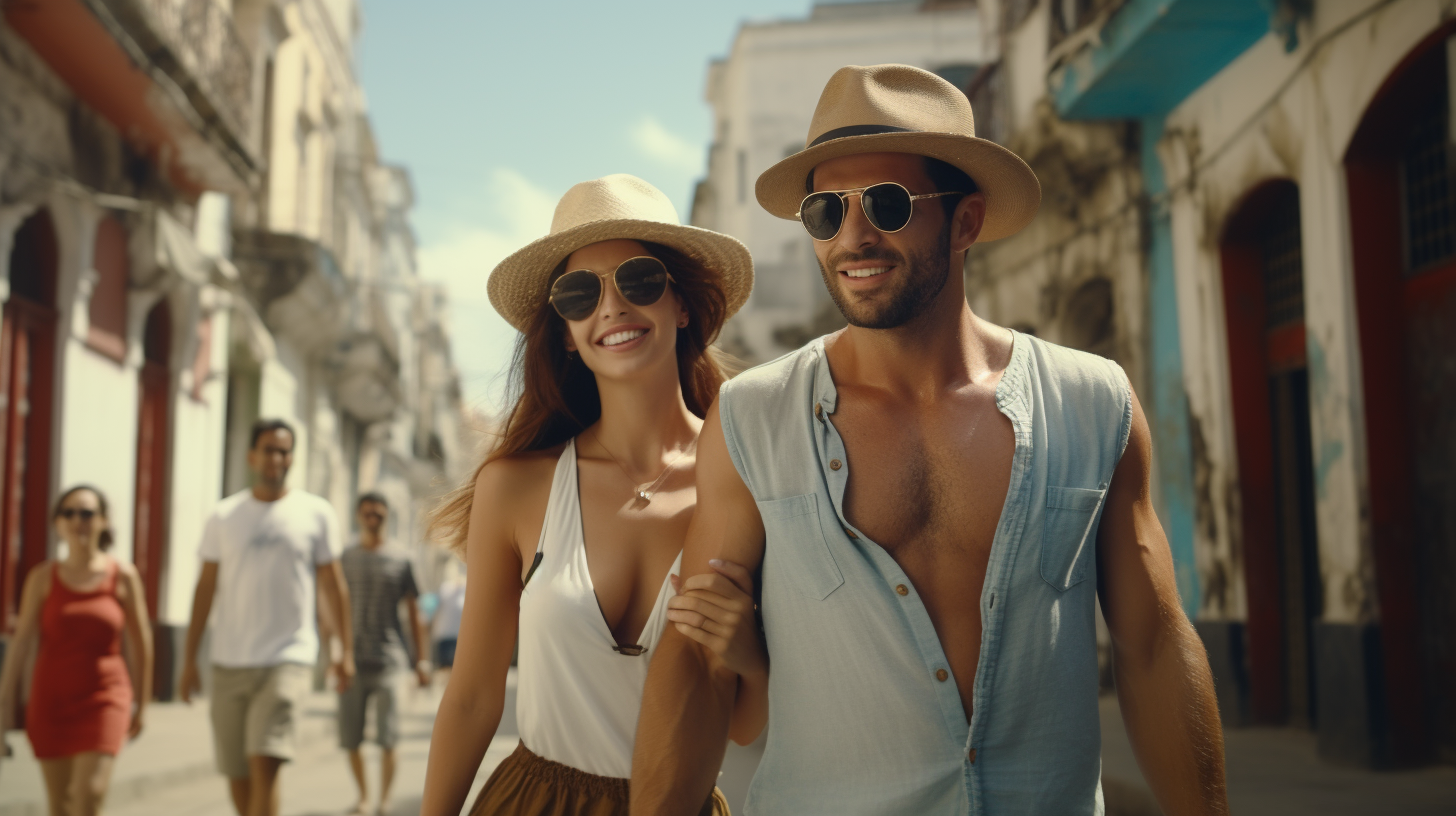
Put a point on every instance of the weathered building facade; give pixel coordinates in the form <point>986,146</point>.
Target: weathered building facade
<point>197,231</point>
<point>1261,194</point>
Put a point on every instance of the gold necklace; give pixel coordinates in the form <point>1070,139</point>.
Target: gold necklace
<point>644,494</point>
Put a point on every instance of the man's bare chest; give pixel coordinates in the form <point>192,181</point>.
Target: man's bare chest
<point>932,486</point>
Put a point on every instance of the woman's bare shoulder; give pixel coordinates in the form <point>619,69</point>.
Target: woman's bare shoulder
<point>506,481</point>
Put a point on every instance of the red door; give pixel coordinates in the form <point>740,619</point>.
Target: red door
<point>150,535</point>
<point>26,352</point>
<point>1401,182</point>
<point>1263,283</point>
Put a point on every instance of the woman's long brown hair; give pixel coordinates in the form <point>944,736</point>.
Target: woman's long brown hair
<point>556,395</point>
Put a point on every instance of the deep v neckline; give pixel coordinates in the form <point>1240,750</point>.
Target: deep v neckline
<point>591,584</point>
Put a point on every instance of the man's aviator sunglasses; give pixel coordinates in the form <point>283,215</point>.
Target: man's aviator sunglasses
<point>887,205</point>
<point>640,281</point>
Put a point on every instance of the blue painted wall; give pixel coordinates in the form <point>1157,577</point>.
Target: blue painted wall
<point>1152,55</point>
<point>1168,414</point>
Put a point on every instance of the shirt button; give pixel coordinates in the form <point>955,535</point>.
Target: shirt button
<point>835,464</point>
<point>902,589</point>
<point>941,675</point>
<point>850,533</point>
<point>972,756</point>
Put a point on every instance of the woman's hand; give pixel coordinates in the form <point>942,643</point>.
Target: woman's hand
<point>716,610</point>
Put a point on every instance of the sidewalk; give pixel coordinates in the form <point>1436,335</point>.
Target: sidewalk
<point>1276,771</point>
<point>175,747</point>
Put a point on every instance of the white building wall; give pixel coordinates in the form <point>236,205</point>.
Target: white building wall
<point>98,434</point>
<point>199,440</point>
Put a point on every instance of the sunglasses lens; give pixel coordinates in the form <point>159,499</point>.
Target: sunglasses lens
<point>887,206</point>
<point>822,213</point>
<point>642,280</point>
<point>576,294</point>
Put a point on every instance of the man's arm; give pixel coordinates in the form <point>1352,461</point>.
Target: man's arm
<point>201,607</point>
<point>336,596</point>
<point>690,695</point>
<point>1164,685</point>
<point>422,639</point>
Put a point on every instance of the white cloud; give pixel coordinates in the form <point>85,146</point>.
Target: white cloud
<point>668,148</point>
<point>462,260</point>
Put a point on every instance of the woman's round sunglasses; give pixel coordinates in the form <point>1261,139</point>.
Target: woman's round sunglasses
<point>887,205</point>
<point>640,281</point>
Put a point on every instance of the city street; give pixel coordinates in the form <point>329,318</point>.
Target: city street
<point>168,771</point>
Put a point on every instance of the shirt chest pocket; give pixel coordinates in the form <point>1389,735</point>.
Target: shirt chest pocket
<point>795,553</point>
<point>1068,542</point>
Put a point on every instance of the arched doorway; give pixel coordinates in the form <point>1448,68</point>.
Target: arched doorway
<point>1263,286</point>
<point>27,354</point>
<point>1402,197</point>
<point>153,420</point>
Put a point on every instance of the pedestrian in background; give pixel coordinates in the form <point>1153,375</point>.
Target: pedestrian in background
<point>445,625</point>
<point>573,526</point>
<point>265,552</point>
<point>86,618</point>
<point>380,578</point>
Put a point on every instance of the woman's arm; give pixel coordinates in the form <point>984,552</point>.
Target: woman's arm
<point>18,653</point>
<point>716,609</point>
<point>138,642</point>
<point>470,709</point>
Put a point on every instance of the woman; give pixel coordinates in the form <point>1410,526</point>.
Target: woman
<point>74,611</point>
<point>575,521</point>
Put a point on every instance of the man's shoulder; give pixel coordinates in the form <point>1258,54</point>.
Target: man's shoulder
<point>304,501</point>
<point>1071,368</point>
<point>231,504</point>
<point>765,383</point>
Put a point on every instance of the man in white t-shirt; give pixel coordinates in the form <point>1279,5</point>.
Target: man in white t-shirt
<point>264,550</point>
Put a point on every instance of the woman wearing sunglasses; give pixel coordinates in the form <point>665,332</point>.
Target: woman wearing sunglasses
<point>73,613</point>
<point>572,529</point>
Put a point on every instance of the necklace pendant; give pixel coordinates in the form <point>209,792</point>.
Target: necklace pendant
<point>644,496</point>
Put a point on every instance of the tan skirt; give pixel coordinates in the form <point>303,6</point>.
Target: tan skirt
<point>530,785</point>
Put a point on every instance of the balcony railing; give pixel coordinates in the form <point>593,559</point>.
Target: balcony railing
<point>195,43</point>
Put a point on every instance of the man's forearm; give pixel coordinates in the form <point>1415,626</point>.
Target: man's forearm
<point>345,620</point>
<point>1171,714</point>
<point>201,608</point>
<point>683,730</point>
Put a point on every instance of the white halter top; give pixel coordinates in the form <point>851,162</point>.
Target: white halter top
<point>578,699</point>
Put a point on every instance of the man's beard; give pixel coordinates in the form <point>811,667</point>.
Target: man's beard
<point>922,276</point>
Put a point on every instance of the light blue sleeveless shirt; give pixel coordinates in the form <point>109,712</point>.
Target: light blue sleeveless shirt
<point>858,721</point>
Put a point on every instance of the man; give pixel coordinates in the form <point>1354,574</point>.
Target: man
<point>380,578</point>
<point>934,504</point>
<point>264,550</point>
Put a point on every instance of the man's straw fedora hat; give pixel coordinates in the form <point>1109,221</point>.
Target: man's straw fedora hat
<point>900,109</point>
<point>606,209</point>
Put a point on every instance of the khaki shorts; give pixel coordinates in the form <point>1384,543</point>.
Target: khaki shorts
<point>382,686</point>
<point>253,713</point>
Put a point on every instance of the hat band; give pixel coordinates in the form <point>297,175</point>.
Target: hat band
<point>857,130</point>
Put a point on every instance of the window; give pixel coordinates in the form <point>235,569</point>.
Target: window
<point>1283,261</point>
<point>1430,211</point>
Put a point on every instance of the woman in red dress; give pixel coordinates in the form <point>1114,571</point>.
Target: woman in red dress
<point>74,611</point>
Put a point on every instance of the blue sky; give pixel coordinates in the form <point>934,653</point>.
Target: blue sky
<point>498,108</point>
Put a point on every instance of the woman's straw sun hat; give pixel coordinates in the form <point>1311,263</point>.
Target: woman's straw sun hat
<point>900,109</point>
<point>609,208</point>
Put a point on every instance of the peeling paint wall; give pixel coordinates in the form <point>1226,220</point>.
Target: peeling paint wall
<point>1272,114</point>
